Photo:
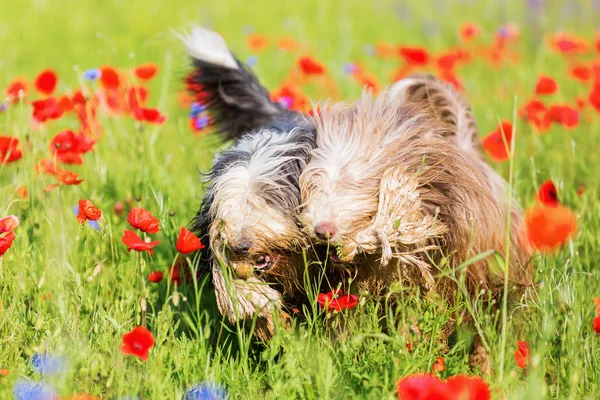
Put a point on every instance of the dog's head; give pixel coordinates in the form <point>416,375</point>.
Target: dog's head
<point>255,195</point>
<point>340,184</point>
<point>250,210</point>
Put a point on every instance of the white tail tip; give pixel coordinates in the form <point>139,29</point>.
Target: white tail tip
<point>208,46</point>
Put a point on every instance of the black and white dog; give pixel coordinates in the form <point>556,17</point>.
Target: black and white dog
<point>248,215</point>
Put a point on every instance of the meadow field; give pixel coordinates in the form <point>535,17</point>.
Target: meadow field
<point>69,292</point>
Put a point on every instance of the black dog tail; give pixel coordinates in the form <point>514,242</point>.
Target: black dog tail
<point>234,97</point>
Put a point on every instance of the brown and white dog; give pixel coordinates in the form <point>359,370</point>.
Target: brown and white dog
<point>397,187</point>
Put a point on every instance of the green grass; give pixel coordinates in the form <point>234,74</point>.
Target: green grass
<point>51,301</point>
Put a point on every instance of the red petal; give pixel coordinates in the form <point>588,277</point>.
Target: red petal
<point>416,56</point>
<point>423,386</point>
<point>14,88</point>
<point>469,388</point>
<point>110,78</point>
<point>257,42</point>
<point>146,71</point>
<point>522,354</point>
<point>310,66</point>
<point>497,144</point>
<point>547,194</point>
<point>46,81</point>
<point>156,276</point>
<point>6,242</point>
<point>545,85</point>
<point>550,227</point>
<point>140,218</point>
<point>187,242</point>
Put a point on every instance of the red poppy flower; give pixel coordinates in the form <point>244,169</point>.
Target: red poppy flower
<point>45,82</point>
<point>469,31</point>
<point>310,66</point>
<point>596,324</point>
<point>8,223</point>
<point>14,88</point>
<point>287,43</point>
<point>47,109</point>
<point>535,112</point>
<point>335,301</point>
<point>439,365</point>
<point>256,42</point>
<point>565,115</point>
<point>45,166</point>
<point>22,192</point>
<point>138,343</point>
<point>4,372</point>
<point>188,242</point>
<point>451,78</point>
<point>568,44</point>
<point>136,97</point>
<point>469,388</point>
<point>545,85</point>
<point>522,354</point>
<point>497,144</point>
<point>550,227</point>
<point>151,115</point>
<point>415,56</point>
<point>134,242</point>
<point>69,147</point>
<point>142,219</point>
<point>292,96</point>
<point>423,386</point>
<point>594,96</point>
<point>156,276</point>
<point>109,78</point>
<point>67,177</point>
<point>9,150</point>
<point>145,72</point>
<point>449,59</point>
<point>582,189</point>
<point>547,194</point>
<point>6,242</point>
<point>88,211</point>
<point>385,50</point>
<point>580,72</point>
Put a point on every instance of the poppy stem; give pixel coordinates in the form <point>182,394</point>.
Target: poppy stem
<point>507,249</point>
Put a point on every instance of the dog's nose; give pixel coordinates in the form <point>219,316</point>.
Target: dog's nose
<point>325,230</point>
<point>241,248</point>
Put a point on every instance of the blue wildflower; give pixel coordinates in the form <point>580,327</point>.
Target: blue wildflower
<point>92,74</point>
<point>350,68</point>
<point>3,107</point>
<point>196,109</point>
<point>25,389</point>
<point>252,61</point>
<point>286,101</point>
<point>205,391</point>
<point>93,224</point>
<point>503,32</point>
<point>201,122</point>
<point>47,364</point>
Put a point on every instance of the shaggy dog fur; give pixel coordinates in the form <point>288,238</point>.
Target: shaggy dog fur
<point>252,194</point>
<point>400,190</point>
<point>396,184</point>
